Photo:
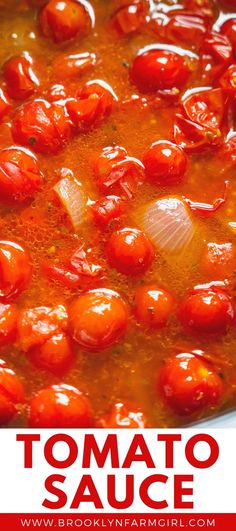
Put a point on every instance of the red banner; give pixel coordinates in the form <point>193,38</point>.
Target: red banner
<point>177,522</point>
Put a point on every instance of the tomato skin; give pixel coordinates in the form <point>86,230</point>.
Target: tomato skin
<point>193,137</point>
<point>60,406</point>
<point>8,320</point>
<point>70,66</point>
<point>153,306</point>
<point>43,126</point>
<point>216,54</point>
<point>128,18</point>
<point>107,209</point>
<point>11,393</point>
<point>228,80</point>
<point>98,319</point>
<point>115,170</point>
<point>15,270</point>
<point>159,70</point>
<point>38,325</point>
<point>124,416</point>
<point>20,175</point>
<point>189,384</point>
<point>219,260</point>
<point>186,28</point>
<point>62,21</point>
<point>165,163</point>
<point>206,108</point>
<point>207,311</point>
<point>20,78</point>
<point>5,104</point>
<point>229,29</point>
<point>55,355</point>
<point>130,251</point>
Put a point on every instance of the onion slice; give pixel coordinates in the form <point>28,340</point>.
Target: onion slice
<point>72,199</point>
<point>168,224</point>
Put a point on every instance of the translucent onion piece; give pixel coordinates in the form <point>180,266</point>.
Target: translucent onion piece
<point>72,199</point>
<point>168,224</point>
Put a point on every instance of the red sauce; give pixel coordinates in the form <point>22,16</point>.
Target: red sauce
<point>117,212</point>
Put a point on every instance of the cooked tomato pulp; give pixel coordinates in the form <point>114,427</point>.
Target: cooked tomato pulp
<point>118,216</point>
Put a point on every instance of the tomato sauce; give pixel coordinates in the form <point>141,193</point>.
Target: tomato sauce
<point>135,101</point>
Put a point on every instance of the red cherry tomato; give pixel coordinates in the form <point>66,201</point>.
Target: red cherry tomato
<point>4,103</point>
<point>98,319</point>
<point>55,355</point>
<point>43,126</point>
<point>229,29</point>
<point>11,393</point>
<point>38,325</point>
<point>189,384</point>
<point>153,306</point>
<point>15,270</point>
<point>8,320</point>
<point>130,251</point>
<point>228,79</point>
<point>206,108</point>
<point>124,416</point>
<point>206,8</point>
<point>60,406</point>
<point>65,20</point>
<point>186,28</point>
<point>207,311</point>
<point>165,163</point>
<point>20,176</point>
<point>20,77</point>
<point>115,169</point>
<point>229,4</point>
<point>216,54</point>
<point>128,18</point>
<point>193,137</point>
<point>219,260</point>
<point>107,209</point>
<point>74,65</point>
<point>157,69</point>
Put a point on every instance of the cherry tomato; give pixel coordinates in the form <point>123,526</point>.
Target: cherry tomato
<point>229,29</point>
<point>124,416</point>
<point>216,54</point>
<point>4,103</point>
<point>11,393</point>
<point>219,260</point>
<point>65,20</point>
<point>38,325</point>
<point>206,108</point>
<point>130,251</point>
<point>128,18</point>
<point>98,319</point>
<point>189,384</point>
<point>186,28</point>
<point>157,69</point>
<point>8,320</point>
<point>230,4</point>
<point>228,79</point>
<point>74,65</point>
<point>20,77</point>
<point>153,306</point>
<point>206,8</point>
<point>207,311</point>
<point>20,176</point>
<point>165,163</point>
<point>193,137</point>
<point>60,406</point>
<point>115,169</point>
<point>15,270</point>
<point>107,209</point>
<point>55,355</point>
<point>43,126</point>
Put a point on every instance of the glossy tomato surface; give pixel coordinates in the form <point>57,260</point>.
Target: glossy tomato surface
<point>117,212</point>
